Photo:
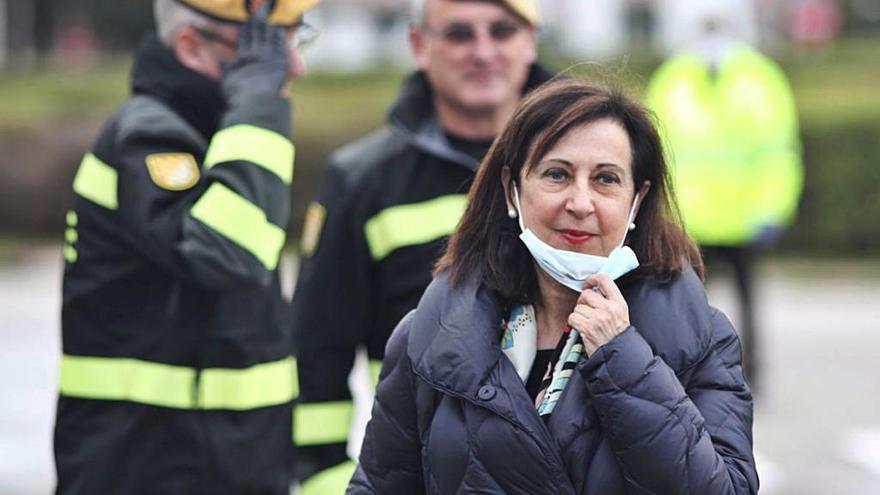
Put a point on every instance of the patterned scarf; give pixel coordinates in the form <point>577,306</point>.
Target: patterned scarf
<point>519,343</point>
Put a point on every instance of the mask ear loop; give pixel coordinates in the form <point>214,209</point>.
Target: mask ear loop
<point>519,216</point>
<point>629,220</point>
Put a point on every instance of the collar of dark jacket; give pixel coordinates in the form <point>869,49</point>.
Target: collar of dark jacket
<point>455,338</point>
<point>195,97</point>
<point>455,346</point>
<point>413,117</point>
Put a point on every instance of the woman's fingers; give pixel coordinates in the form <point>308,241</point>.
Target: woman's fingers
<point>601,311</point>
<point>606,286</point>
<point>592,298</point>
<point>579,322</point>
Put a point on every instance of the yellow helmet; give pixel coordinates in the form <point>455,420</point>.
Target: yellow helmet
<point>282,12</point>
<point>527,9</point>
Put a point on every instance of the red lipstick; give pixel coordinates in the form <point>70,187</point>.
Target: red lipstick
<point>576,237</point>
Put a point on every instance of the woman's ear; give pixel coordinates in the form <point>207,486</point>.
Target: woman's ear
<point>642,192</point>
<point>505,183</point>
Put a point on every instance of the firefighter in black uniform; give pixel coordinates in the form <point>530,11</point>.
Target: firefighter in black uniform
<point>176,374</point>
<point>388,202</point>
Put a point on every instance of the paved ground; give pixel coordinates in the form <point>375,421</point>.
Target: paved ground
<point>818,414</point>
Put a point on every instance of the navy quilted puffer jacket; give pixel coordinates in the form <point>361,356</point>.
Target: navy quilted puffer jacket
<point>661,409</point>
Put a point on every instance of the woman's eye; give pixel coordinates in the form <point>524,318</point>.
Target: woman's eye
<point>608,178</point>
<point>556,174</point>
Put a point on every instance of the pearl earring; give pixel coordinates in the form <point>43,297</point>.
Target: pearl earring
<point>511,213</point>
<point>632,226</point>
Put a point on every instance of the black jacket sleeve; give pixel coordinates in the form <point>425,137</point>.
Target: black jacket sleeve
<point>229,228</point>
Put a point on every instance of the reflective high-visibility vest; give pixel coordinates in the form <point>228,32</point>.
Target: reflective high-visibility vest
<point>732,142</point>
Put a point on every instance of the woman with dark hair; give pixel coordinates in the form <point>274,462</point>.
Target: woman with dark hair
<point>527,368</point>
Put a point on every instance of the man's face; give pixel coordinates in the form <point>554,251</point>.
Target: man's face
<point>476,54</point>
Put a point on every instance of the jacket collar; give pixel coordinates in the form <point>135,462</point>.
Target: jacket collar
<point>454,345</point>
<point>195,97</point>
<point>455,340</point>
<point>413,116</point>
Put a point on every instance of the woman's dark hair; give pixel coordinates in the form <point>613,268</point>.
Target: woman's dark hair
<point>486,245</point>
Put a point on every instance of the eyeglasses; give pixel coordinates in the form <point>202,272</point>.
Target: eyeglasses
<point>304,34</point>
<point>217,38</point>
<point>301,36</point>
<point>460,33</point>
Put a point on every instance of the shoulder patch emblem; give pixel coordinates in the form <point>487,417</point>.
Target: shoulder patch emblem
<point>312,227</point>
<point>173,171</point>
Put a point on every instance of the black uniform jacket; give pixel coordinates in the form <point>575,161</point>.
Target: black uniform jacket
<point>176,376</point>
<point>660,409</point>
<point>386,205</point>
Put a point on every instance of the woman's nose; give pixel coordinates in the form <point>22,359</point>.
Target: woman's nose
<point>580,200</point>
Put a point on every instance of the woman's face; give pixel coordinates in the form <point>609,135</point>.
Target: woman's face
<point>578,196</point>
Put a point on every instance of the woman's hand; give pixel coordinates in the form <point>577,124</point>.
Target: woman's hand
<point>600,314</point>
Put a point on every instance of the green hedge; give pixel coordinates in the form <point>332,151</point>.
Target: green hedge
<point>839,106</point>
<point>840,207</point>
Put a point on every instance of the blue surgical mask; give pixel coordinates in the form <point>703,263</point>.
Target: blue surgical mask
<point>570,268</point>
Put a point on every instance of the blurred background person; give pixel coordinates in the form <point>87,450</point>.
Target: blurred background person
<point>731,126</point>
<point>526,368</point>
<point>388,201</point>
<point>176,376</point>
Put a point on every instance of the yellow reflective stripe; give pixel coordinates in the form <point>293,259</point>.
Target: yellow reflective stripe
<point>97,182</point>
<point>249,143</point>
<point>411,224</point>
<point>72,219</point>
<point>333,480</point>
<point>321,423</point>
<point>375,370</point>
<point>262,385</point>
<point>242,222</point>
<point>70,254</point>
<point>125,379</point>
<point>165,385</point>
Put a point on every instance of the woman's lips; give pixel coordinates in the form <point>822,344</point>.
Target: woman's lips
<point>576,236</point>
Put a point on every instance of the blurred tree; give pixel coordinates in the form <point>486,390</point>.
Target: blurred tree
<point>44,24</point>
<point>863,16</point>
<point>120,24</point>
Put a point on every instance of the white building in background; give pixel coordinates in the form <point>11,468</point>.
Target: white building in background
<point>587,29</point>
<point>678,23</point>
<point>360,34</point>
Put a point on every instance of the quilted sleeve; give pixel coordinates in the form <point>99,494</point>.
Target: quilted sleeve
<point>672,439</point>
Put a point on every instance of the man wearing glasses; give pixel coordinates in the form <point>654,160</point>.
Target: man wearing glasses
<point>176,376</point>
<point>387,203</point>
